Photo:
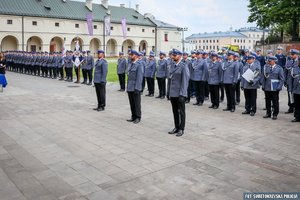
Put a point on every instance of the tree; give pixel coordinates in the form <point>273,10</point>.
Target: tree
<point>276,13</point>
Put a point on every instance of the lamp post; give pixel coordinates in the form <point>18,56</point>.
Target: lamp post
<point>183,29</point>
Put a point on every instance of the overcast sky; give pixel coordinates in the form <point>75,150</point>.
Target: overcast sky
<point>198,15</point>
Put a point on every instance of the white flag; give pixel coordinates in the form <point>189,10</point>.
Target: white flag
<point>107,25</point>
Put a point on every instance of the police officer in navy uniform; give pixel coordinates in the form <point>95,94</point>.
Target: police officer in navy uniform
<point>260,58</point>
<point>250,88</point>
<point>229,79</point>
<point>190,65</point>
<point>237,60</point>
<point>272,83</point>
<point>221,61</point>
<point>295,73</point>
<point>161,74</point>
<point>84,67</point>
<point>100,74</point>
<point>89,67</point>
<point>179,81</point>
<point>150,74</point>
<point>291,63</point>
<point>134,86</point>
<point>170,61</point>
<point>214,79</point>
<point>69,66</point>
<point>60,66</point>
<point>121,70</point>
<point>281,59</point>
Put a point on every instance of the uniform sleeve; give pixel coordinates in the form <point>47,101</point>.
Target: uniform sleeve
<point>236,73</point>
<point>184,81</point>
<point>281,79</point>
<point>104,71</point>
<point>257,78</point>
<point>153,69</point>
<point>139,77</point>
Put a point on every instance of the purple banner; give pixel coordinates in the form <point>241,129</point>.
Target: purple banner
<point>124,27</point>
<point>107,25</point>
<point>89,21</point>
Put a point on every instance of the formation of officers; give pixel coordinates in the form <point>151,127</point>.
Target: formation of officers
<point>204,75</point>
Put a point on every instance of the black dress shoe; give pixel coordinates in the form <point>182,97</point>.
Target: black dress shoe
<point>289,112</point>
<point>295,120</point>
<point>232,110</point>
<point>89,84</point>
<point>136,121</point>
<point>83,82</point>
<point>157,97</point>
<point>96,108</point>
<point>196,104</point>
<point>274,117</point>
<point>175,130</point>
<point>151,95</point>
<point>100,109</point>
<point>267,116</point>
<point>187,101</point>
<point>245,113</point>
<point>180,133</point>
<point>147,95</point>
<point>162,97</point>
<point>215,107</point>
<point>252,113</point>
<point>211,106</point>
<point>130,120</point>
<point>226,109</point>
<point>200,104</point>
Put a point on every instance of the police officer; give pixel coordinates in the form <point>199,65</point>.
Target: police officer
<point>281,59</point>
<point>179,81</point>
<point>229,79</point>
<point>161,74</point>
<point>291,63</point>
<point>260,58</point>
<point>84,67</point>
<point>100,74</point>
<point>214,79</point>
<point>191,88</point>
<point>77,61</point>
<point>121,70</point>
<point>60,66</point>
<point>134,86</point>
<point>221,61</point>
<point>236,58</point>
<point>169,63</point>
<point>272,83</point>
<point>295,73</point>
<point>150,74</point>
<point>69,66</point>
<point>250,86</point>
<point>89,67</point>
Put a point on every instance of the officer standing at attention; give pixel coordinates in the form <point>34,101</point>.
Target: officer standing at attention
<point>250,88</point>
<point>292,63</point>
<point>214,79</point>
<point>272,83</point>
<point>281,59</point>
<point>260,58</point>
<point>190,88</point>
<point>84,67</point>
<point>229,79</point>
<point>295,73</point>
<point>121,70</point>
<point>237,60</point>
<point>161,74</point>
<point>89,67</point>
<point>134,86</point>
<point>60,66</point>
<point>150,73</point>
<point>179,81</point>
<point>100,74</point>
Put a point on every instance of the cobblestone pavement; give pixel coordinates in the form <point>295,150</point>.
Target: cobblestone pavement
<point>54,146</point>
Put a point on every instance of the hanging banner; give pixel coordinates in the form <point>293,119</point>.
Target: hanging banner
<point>89,21</point>
<point>107,25</point>
<point>124,27</point>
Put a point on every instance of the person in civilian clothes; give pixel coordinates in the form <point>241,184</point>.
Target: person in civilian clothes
<point>295,73</point>
<point>134,86</point>
<point>150,74</point>
<point>214,79</point>
<point>292,63</point>
<point>179,81</point>
<point>121,70</point>
<point>250,88</point>
<point>236,58</point>
<point>161,74</point>
<point>100,74</point>
<point>272,83</point>
<point>229,79</point>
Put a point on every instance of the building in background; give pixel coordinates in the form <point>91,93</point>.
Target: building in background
<point>245,38</point>
<point>46,25</point>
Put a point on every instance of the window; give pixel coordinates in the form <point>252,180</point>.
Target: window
<point>95,27</point>
<point>244,41</point>
<point>9,21</point>
<point>238,41</point>
<point>234,40</point>
<point>166,37</point>
<point>143,30</point>
<point>128,29</point>
<point>209,41</point>
<point>34,23</point>
<point>217,41</point>
<point>213,47</point>
<point>213,41</point>
<point>199,41</point>
<point>203,41</point>
<point>153,31</point>
<point>76,25</point>
<point>206,41</point>
<point>249,41</point>
<point>111,28</point>
<point>56,24</point>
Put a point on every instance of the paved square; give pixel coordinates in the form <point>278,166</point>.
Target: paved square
<point>53,146</point>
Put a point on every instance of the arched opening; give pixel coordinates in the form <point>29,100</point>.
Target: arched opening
<point>34,44</point>
<point>9,43</point>
<point>143,46</point>
<point>111,48</point>
<point>56,44</point>
<point>94,46</point>
<point>73,43</point>
<point>127,44</point>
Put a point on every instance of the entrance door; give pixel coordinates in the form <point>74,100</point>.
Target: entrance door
<point>52,47</point>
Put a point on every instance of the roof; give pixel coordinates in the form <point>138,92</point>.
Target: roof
<point>70,10</point>
<point>250,29</point>
<point>217,35</point>
<point>161,24</point>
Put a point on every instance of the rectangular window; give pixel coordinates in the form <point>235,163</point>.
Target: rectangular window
<point>76,25</point>
<point>199,41</point>
<point>56,24</point>
<point>153,31</point>
<point>111,28</point>
<point>95,27</point>
<point>34,23</point>
<point>143,30</point>
<point>9,21</point>
<point>234,40</point>
<point>166,37</point>
<point>128,29</point>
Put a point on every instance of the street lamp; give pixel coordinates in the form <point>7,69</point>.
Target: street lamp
<point>183,29</point>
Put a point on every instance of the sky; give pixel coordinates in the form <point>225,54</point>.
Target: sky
<point>198,16</point>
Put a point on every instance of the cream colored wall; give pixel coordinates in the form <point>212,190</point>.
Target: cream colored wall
<point>174,40</point>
